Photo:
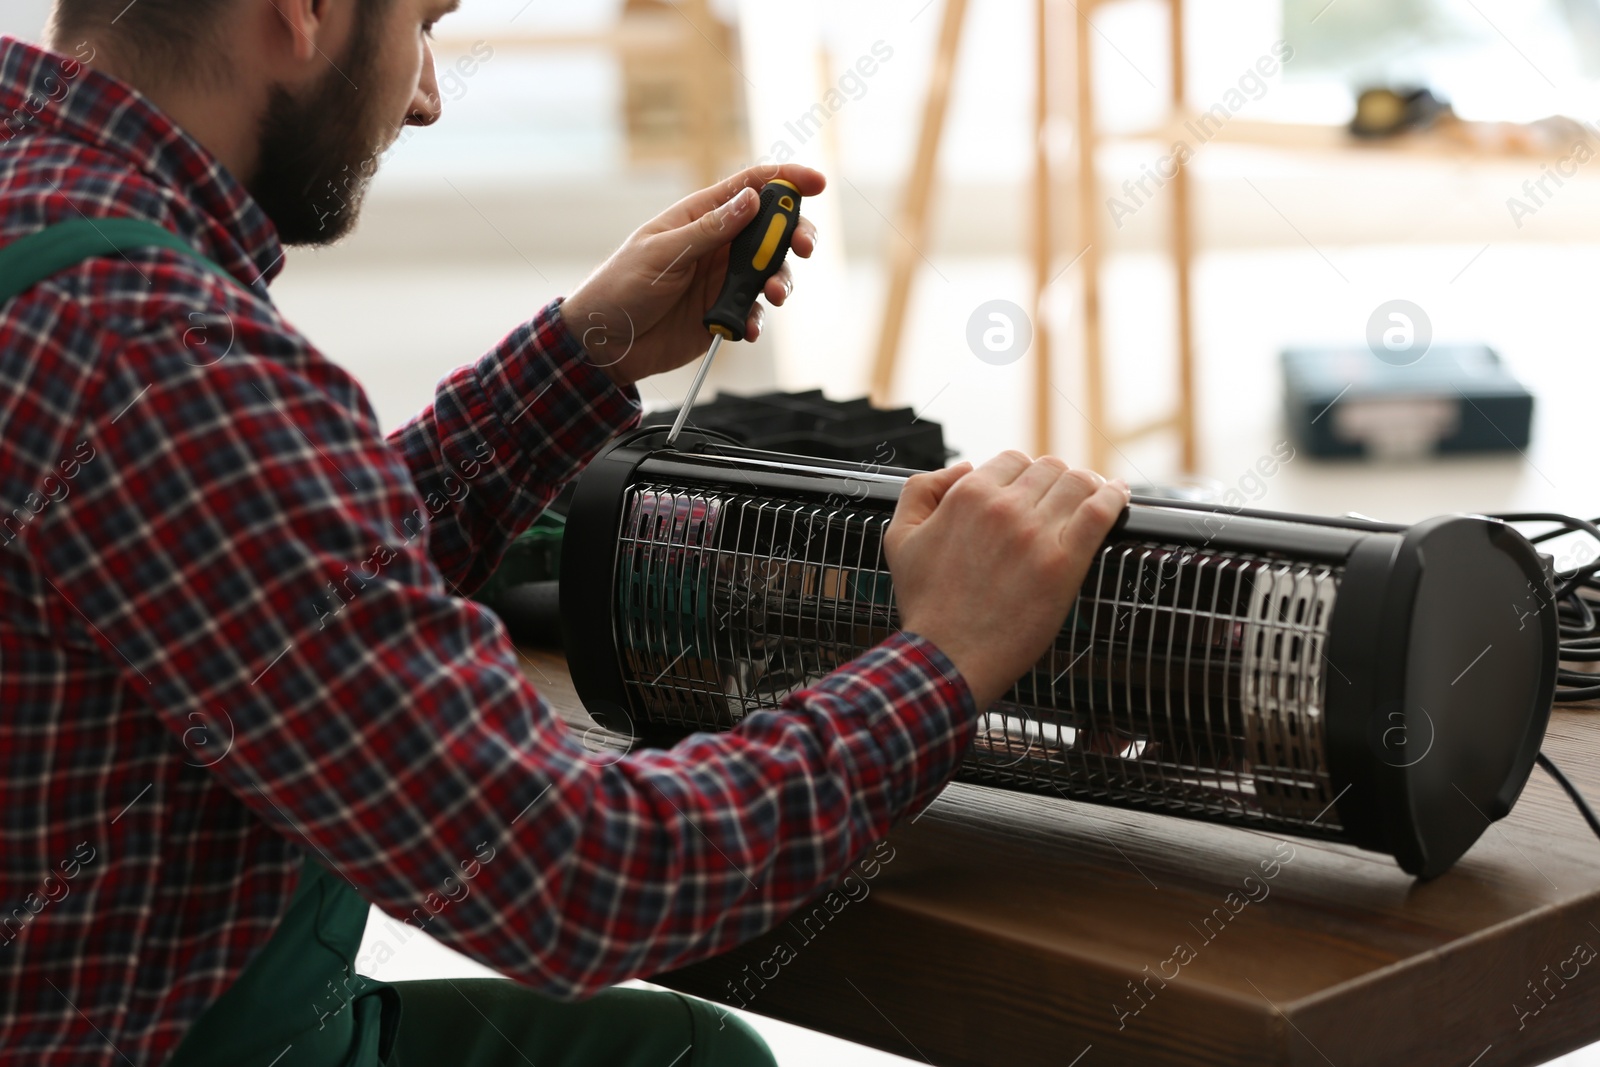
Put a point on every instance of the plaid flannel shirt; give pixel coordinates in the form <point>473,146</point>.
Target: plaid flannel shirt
<point>232,633</point>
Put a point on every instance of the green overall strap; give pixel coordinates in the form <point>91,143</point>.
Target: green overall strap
<point>29,260</point>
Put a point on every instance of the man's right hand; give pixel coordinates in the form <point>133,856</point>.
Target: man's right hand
<point>987,562</point>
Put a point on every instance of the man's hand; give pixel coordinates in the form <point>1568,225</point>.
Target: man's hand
<point>987,562</point>
<point>639,313</point>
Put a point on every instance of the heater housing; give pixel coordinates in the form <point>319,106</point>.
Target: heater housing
<point>1387,686</point>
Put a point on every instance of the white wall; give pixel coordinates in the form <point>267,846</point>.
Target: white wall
<point>24,18</point>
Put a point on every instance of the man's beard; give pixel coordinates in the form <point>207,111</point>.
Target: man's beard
<point>318,153</point>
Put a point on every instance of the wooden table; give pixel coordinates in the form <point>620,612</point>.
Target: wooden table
<point>1014,930</point>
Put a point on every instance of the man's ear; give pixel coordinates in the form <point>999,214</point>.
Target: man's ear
<point>305,21</point>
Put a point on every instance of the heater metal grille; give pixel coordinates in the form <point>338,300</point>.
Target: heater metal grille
<point>1186,679</point>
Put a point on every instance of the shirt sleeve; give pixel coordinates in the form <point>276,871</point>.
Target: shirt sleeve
<point>244,547</point>
<point>501,438</point>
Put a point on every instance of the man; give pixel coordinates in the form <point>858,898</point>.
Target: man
<point>240,692</point>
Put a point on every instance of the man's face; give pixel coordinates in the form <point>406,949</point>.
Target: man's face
<point>320,146</point>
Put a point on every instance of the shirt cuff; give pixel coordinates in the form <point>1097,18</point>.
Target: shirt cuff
<point>557,404</point>
<point>922,714</point>
<point>573,362</point>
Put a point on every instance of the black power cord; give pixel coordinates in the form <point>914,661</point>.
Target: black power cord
<point>1572,791</point>
<point>1576,591</point>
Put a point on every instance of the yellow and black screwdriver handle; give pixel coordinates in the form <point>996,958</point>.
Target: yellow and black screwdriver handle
<point>755,255</point>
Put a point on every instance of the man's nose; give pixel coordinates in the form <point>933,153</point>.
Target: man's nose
<point>426,105</point>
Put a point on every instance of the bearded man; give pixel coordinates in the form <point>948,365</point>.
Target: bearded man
<point>206,777</point>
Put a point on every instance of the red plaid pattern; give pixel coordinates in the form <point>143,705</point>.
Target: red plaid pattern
<point>231,632</point>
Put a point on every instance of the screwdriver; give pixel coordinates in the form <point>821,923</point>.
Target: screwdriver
<point>755,255</point>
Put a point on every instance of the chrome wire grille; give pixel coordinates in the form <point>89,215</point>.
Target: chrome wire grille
<point>1185,679</point>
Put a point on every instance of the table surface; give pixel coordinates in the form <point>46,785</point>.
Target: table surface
<point>1007,929</point>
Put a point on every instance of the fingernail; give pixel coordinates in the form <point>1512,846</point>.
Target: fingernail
<point>1123,485</point>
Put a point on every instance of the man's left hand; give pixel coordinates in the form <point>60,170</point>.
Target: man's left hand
<point>639,313</point>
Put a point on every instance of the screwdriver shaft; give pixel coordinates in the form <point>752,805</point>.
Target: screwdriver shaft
<point>694,390</point>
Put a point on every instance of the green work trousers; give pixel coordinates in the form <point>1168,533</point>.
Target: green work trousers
<point>299,1003</point>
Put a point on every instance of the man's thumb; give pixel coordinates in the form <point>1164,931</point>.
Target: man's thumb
<point>711,230</point>
<point>923,492</point>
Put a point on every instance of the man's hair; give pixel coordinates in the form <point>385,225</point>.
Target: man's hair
<point>165,40</point>
<point>173,39</point>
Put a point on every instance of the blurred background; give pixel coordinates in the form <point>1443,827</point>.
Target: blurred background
<point>1461,213</point>
<point>566,125</point>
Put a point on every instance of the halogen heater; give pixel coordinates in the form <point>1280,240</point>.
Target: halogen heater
<point>1386,686</point>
